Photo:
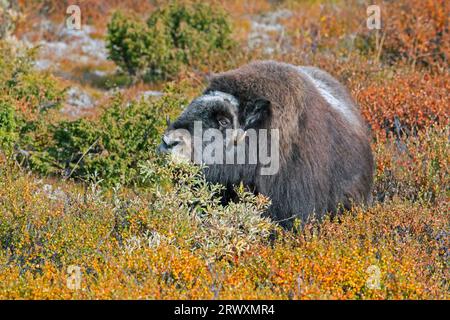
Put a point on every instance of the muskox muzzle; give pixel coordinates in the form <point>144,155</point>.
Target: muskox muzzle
<point>166,145</point>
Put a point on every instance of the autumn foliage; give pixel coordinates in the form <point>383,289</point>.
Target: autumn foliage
<point>406,102</point>
<point>90,193</point>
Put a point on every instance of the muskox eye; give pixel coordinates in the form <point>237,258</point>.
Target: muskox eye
<point>224,122</point>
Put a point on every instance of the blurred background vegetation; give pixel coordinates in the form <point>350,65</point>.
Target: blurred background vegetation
<point>81,112</point>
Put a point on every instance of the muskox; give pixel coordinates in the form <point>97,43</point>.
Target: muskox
<point>323,157</point>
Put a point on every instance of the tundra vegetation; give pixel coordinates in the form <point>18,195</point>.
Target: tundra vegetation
<point>89,191</point>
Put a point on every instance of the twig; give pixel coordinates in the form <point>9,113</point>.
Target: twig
<point>379,45</point>
<point>79,160</point>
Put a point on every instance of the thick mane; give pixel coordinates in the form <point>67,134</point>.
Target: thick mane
<point>325,155</point>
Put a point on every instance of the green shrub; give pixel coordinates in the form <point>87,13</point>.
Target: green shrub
<point>128,43</point>
<point>26,96</point>
<point>8,127</point>
<point>180,33</point>
<point>111,146</point>
<point>29,90</point>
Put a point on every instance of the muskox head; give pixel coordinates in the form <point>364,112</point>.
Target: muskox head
<point>226,135</point>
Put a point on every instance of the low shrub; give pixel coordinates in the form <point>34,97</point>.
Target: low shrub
<point>141,227</point>
<point>178,34</point>
<point>418,32</point>
<point>176,241</point>
<point>8,127</point>
<point>109,147</point>
<point>178,212</point>
<point>113,145</point>
<point>30,91</point>
<point>405,102</point>
<point>413,168</point>
<point>26,97</point>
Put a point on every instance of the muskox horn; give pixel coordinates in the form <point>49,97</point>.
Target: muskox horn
<point>238,136</point>
<point>241,137</point>
<point>167,120</point>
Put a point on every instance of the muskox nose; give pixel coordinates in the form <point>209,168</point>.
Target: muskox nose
<point>166,145</point>
<point>162,148</point>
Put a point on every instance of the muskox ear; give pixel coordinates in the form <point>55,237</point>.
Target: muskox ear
<point>257,112</point>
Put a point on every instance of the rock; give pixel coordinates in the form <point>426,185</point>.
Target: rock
<point>149,94</point>
<point>77,102</point>
<point>43,64</point>
<point>78,98</point>
<point>267,33</point>
<point>69,44</point>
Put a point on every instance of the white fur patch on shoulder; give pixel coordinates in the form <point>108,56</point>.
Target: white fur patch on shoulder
<point>327,94</point>
<point>219,96</point>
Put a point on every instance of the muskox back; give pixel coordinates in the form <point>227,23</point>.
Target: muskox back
<point>325,156</point>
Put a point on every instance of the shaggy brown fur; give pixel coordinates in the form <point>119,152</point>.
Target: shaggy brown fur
<point>325,159</point>
<point>325,155</point>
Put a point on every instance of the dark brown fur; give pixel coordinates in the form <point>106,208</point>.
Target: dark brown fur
<point>325,161</point>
